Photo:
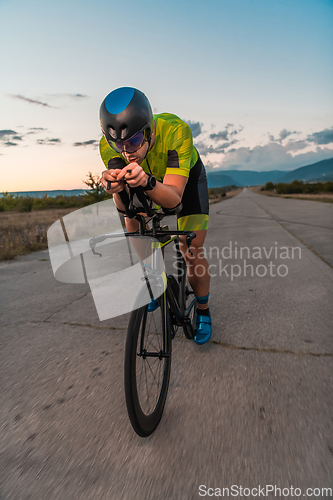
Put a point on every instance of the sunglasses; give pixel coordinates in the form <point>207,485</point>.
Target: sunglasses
<point>134,143</point>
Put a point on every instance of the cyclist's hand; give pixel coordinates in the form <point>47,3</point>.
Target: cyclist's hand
<point>111,175</point>
<point>134,175</point>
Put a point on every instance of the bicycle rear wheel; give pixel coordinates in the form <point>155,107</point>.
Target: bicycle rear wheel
<point>147,366</point>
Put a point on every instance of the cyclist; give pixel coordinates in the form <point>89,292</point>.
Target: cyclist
<point>157,153</point>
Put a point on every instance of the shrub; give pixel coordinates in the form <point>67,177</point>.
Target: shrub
<point>269,186</point>
<point>96,192</point>
<point>297,187</point>
<point>9,201</point>
<point>25,203</point>
<point>328,187</point>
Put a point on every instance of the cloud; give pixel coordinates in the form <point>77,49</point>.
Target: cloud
<point>78,96</point>
<point>226,133</point>
<point>277,154</point>
<point>7,136</point>
<point>31,101</point>
<point>48,142</point>
<point>271,156</point>
<point>285,133</point>
<point>36,130</point>
<point>92,142</point>
<point>71,96</point>
<point>295,145</point>
<point>195,127</point>
<point>323,137</point>
<point>205,149</point>
<point>220,135</point>
<point>5,133</point>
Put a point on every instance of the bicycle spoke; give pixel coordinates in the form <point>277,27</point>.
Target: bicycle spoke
<point>150,369</point>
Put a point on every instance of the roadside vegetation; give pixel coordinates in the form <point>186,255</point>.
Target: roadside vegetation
<point>22,233</point>
<point>222,193</point>
<point>316,191</point>
<point>24,204</point>
<point>24,220</point>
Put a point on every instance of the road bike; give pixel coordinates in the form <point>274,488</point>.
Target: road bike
<point>153,326</point>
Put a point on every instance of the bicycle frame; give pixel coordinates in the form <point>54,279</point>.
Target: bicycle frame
<point>164,238</point>
<point>178,303</point>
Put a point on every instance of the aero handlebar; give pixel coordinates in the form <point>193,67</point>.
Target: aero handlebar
<point>131,211</point>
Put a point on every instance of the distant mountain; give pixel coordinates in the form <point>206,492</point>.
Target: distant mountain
<point>242,177</point>
<point>321,171</point>
<point>52,194</point>
<point>219,179</point>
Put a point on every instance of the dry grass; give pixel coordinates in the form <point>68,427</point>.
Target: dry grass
<point>22,233</point>
<point>324,197</point>
<point>215,198</point>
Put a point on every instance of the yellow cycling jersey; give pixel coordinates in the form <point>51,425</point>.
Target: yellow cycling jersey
<point>173,151</point>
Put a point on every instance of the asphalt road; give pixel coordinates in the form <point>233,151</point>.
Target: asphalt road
<point>252,407</point>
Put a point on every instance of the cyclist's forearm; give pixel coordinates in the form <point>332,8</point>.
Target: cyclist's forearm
<point>165,195</point>
<point>119,204</point>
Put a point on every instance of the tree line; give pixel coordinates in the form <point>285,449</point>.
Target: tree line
<point>93,194</point>
<point>297,187</point>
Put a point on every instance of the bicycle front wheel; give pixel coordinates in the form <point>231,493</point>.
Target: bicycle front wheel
<point>147,366</point>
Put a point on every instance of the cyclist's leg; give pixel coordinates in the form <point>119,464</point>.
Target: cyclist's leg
<point>131,224</point>
<point>197,265</point>
<point>199,277</point>
<point>140,245</point>
<point>194,217</point>
<point>140,248</point>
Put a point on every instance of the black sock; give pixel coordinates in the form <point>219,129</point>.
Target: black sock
<point>203,312</point>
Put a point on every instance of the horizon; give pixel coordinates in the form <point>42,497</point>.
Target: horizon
<point>216,171</point>
<point>254,87</point>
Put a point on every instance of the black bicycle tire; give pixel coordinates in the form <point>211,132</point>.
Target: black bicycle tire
<point>188,329</point>
<point>143,424</point>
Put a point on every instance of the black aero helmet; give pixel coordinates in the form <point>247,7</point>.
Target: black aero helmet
<point>126,119</point>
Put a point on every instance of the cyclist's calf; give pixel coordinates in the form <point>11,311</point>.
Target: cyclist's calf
<point>197,264</point>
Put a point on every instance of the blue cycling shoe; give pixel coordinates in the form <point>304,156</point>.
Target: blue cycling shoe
<point>153,305</point>
<point>203,331</point>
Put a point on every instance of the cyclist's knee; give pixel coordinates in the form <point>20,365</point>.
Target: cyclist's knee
<point>195,255</point>
<point>131,224</point>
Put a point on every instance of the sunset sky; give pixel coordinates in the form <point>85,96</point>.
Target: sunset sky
<point>254,79</point>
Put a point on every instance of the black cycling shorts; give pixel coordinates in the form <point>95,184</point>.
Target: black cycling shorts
<point>195,212</point>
